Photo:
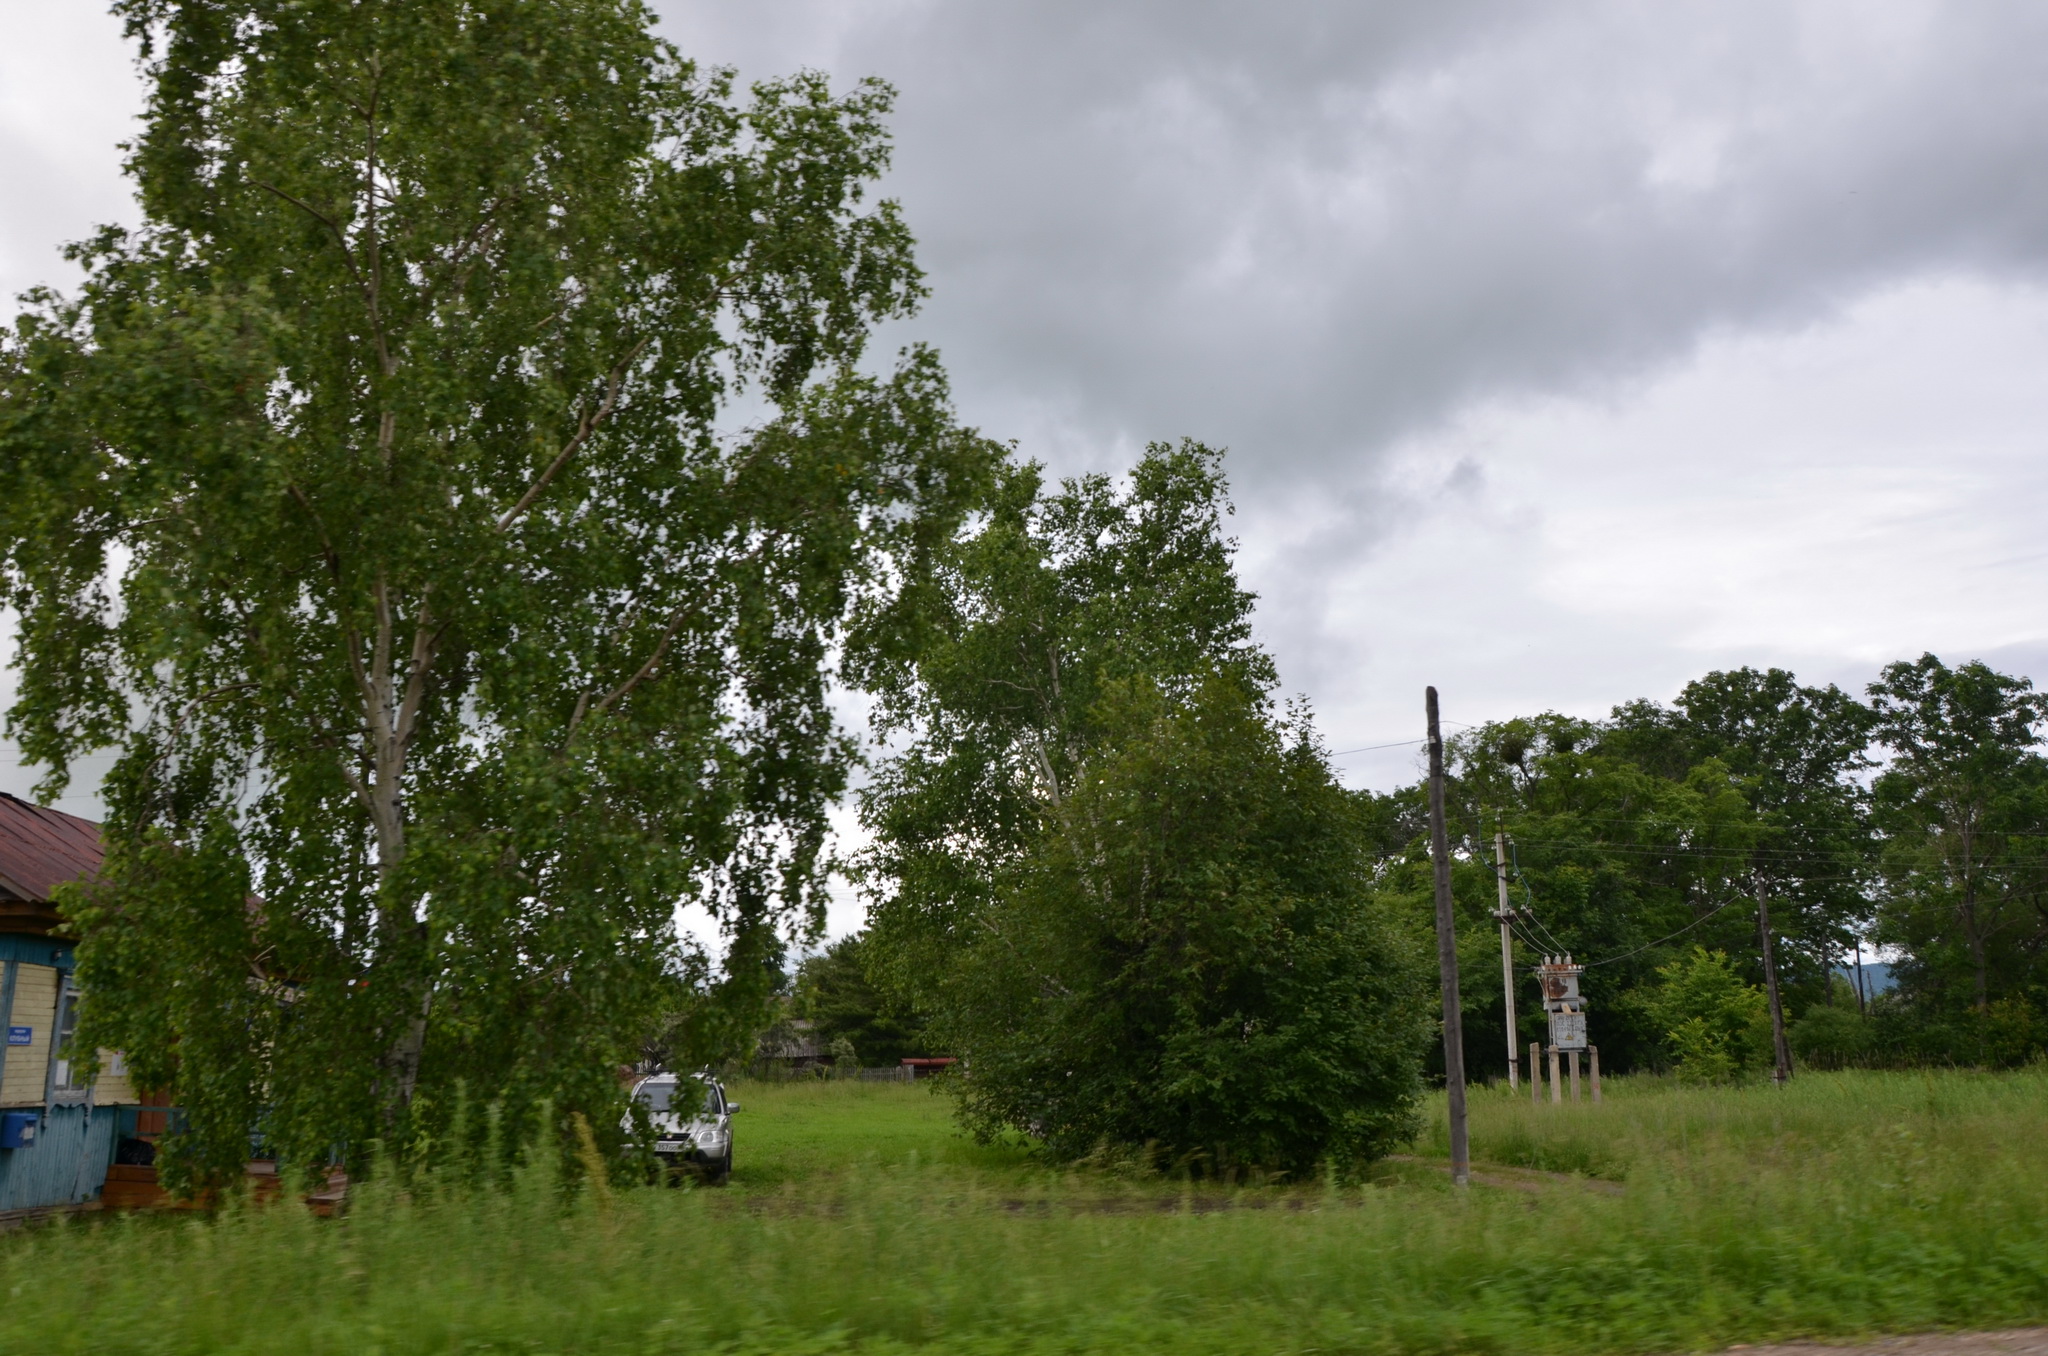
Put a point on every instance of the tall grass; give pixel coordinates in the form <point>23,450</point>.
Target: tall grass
<point>1648,1122</point>
<point>1846,1203</point>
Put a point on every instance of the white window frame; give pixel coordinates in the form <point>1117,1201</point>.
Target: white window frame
<point>61,1090</point>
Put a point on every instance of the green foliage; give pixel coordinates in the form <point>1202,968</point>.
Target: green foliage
<point>1798,753</point>
<point>1829,1037</point>
<point>1963,806</point>
<point>1125,894</point>
<point>833,991</point>
<point>376,501</point>
<point>1904,1031</point>
<point>1662,828</point>
<point>1899,1032</point>
<point>1841,1206</point>
<point>1716,1027</point>
<point>1189,959</point>
<point>1053,599</point>
<point>1622,858</point>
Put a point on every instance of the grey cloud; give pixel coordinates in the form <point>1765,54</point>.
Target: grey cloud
<point>68,95</point>
<point>1324,233</point>
<point>1306,230</point>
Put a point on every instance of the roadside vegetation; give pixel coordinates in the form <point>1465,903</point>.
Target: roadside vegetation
<point>1668,1218</point>
<point>455,619</point>
<point>458,638</point>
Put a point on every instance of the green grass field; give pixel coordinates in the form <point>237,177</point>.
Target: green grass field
<point>1666,1219</point>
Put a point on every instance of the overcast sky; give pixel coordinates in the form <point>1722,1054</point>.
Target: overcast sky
<point>1564,352</point>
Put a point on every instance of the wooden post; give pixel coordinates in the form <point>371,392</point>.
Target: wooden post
<point>1556,1092</point>
<point>1593,1068</point>
<point>1782,1073</point>
<point>1574,1061</point>
<point>1535,1074</point>
<point>1447,952</point>
<point>1507,946</point>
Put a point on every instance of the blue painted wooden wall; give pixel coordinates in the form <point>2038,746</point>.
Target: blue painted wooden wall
<point>67,1163</point>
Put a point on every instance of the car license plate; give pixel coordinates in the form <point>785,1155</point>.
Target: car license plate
<point>670,1146</point>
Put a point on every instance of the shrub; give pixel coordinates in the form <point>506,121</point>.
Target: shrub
<point>1831,1038</point>
<point>1716,1026</point>
<point>1189,960</point>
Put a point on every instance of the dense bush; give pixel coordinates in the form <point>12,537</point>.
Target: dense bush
<point>1716,1026</point>
<point>1831,1038</point>
<point>1190,959</point>
<point>1902,1032</point>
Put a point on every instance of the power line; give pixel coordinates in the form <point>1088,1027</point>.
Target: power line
<point>1369,748</point>
<point>1677,850</point>
<point>1738,855</point>
<point>1398,743</point>
<point>1529,896</point>
<point>1661,940</point>
<point>1529,912</point>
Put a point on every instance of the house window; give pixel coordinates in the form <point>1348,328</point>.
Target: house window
<point>65,1068</point>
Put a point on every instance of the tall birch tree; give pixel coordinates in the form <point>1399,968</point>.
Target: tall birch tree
<point>452,502</point>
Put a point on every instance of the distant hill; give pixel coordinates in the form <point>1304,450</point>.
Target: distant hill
<point>1877,977</point>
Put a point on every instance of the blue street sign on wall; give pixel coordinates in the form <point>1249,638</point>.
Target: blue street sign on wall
<point>20,1035</point>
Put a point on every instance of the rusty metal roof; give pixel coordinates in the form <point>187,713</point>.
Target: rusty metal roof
<point>41,848</point>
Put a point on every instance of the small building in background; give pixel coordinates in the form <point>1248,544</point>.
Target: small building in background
<point>790,1046</point>
<point>58,1133</point>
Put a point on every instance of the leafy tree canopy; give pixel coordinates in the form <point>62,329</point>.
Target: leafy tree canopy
<point>1963,806</point>
<point>1054,598</point>
<point>1715,1026</point>
<point>1132,900</point>
<point>381,499</point>
<point>1635,839</point>
<point>1617,860</point>
<point>833,991</point>
<point>1190,958</point>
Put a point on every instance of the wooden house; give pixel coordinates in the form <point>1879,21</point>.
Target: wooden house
<point>791,1045</point>
<point>59,1134</point>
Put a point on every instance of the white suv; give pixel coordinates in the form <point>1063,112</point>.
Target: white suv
<point>692,1122</point>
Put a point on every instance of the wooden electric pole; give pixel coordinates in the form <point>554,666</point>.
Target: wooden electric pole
<point>1507,953</point>
<point>1447,952</point>
<point>1780,1048</point>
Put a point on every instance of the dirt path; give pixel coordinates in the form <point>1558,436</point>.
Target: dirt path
<point>2011,1342</point>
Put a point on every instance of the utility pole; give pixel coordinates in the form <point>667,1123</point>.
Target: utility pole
<point>1507,953</point>
<point>1447,953</point>
<point>1779,1046</point>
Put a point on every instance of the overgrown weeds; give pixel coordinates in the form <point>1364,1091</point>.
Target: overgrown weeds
<point>1844,1204</point>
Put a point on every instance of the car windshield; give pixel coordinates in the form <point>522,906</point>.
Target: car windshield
<point>657,1096</point>
<point>669,1094</point>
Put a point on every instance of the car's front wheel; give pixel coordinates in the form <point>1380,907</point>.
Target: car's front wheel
<point>720,1170</point>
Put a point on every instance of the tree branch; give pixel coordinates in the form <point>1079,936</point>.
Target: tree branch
<point>425,645</point>
<point>326,545</point>
<point>584,707</point>
<point>668,635</point>
<point>585,427</point>
<point>334,228</point>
